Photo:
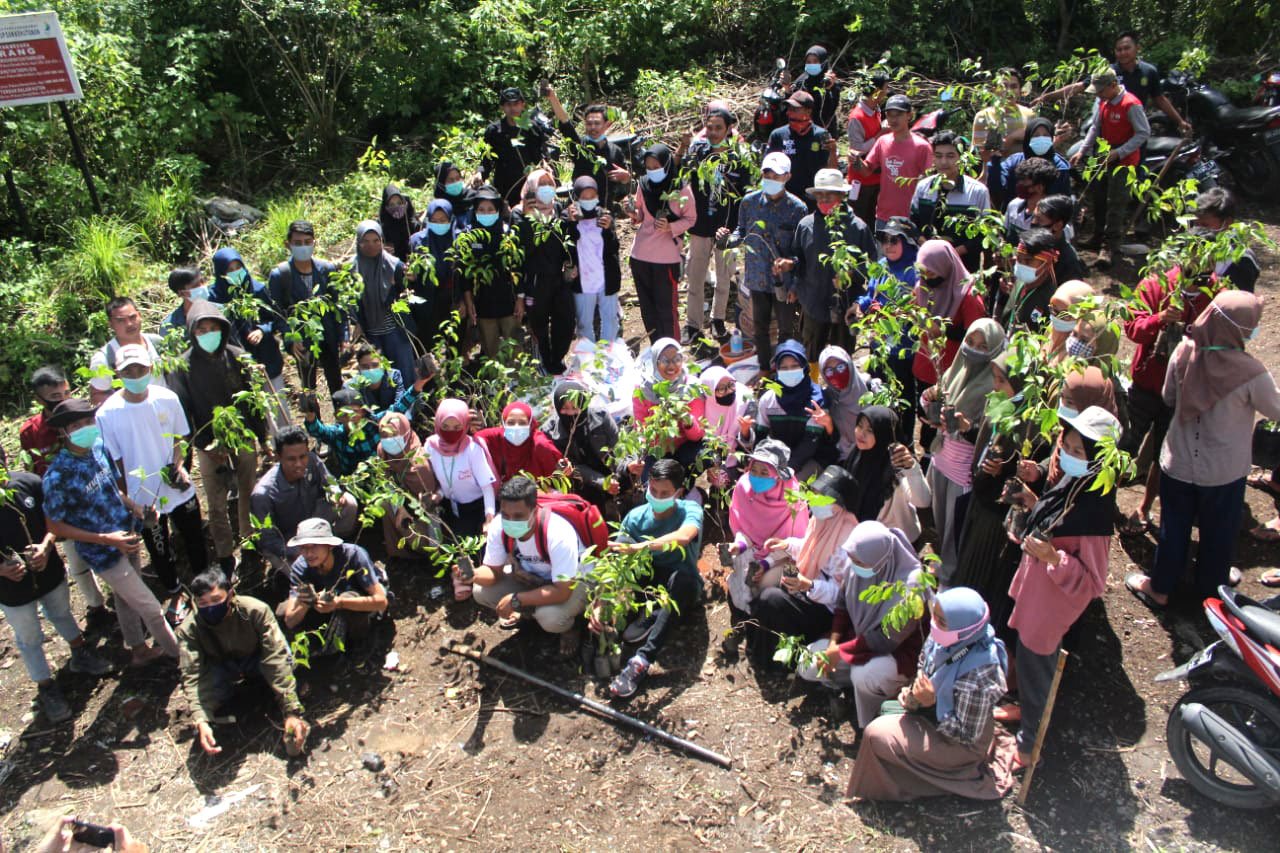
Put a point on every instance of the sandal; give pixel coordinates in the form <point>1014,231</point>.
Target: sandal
<point>1262,480</point>
<point>1271,577</point>
<point>1265,532</point>
<point>1133,584</point>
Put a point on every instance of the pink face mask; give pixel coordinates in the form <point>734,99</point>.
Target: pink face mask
<point>946,638</point>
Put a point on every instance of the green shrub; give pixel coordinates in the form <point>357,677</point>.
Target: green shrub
<point>102,259</point>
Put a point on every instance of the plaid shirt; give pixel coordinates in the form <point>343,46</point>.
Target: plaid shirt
<point>353,448</point>
<point>975,696</point>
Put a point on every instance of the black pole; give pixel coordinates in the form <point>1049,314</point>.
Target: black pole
<point>20,209</point>
<point>80,159</point>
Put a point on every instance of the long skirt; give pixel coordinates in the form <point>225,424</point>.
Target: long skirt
<point>987,561</point>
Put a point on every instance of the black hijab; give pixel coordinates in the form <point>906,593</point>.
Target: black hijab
<point>1091,513</point>
<point>874,478</point>
<point>1033,125</point>
<point>461,203</point>
<point>653,192</point>
<point>396,232</point>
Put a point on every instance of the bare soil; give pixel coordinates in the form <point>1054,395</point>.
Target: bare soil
<point>475,759</point>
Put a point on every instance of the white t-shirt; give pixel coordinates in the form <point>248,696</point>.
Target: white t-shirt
<point>464,478</point>
<point>141,436</point>
<point>105,356</point>
<point>563,549</point>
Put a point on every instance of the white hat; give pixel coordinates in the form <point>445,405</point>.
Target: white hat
<point>132,354</point>
<point>314,531</point>
<point>828,180</point>
<point>776,162</point>
<point>1095,422</point>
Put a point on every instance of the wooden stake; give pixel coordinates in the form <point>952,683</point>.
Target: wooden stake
<point>1044,726</point>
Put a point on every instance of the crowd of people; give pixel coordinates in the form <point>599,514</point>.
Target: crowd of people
<point>825,462</point>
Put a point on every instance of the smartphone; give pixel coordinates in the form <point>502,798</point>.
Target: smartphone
<point>544,87</point>
<point>789,570</point>
<point>466,569</point>
<point>726,554</point>
<point>92,834</point>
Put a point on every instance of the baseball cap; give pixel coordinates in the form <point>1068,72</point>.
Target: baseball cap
<point>69,411</point>
<point>800,98</point>
<point>899,226</point>
<point>776,162</point>
<point>1095,422</point>
<point>132,354</point>
<point>486,192</point>
<point>314,531</point>
<point>1103,79</point>
<point>901,103</point>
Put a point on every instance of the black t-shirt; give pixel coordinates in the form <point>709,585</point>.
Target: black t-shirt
<point>808,154</point>
<point>24,501</point>
<point>586,161</point>
<point>1143,81</point>
<point>715,200</point>
<point>508,163</point>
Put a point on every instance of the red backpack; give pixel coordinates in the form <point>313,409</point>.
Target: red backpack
<point>578,511</point>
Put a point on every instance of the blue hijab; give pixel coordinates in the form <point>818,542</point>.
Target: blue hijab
<point>807,393</point>
<point>904,268</point>
<point>978,646</point>
<point>221,290</point>
<point>438,245</point>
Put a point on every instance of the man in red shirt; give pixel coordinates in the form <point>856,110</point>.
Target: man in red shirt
<point>49,385</point>
<point>900,157</point>
<point>1122,122</point>
<point>865,127</point>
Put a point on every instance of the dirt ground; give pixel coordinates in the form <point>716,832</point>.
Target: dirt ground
<point>474,759</point>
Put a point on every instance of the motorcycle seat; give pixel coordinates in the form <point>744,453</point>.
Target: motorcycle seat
<point>1161,145</point>
<point>1262,622</point>
<point>1247,116</point>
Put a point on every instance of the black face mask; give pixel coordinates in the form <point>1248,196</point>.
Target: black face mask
<point>931,282</point>
<point>727,399</point>
<point>214,613</point>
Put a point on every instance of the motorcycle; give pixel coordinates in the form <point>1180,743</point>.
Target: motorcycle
<point>771,114</point>
<point>1268,94</point>
<point>1244,140</point>
<point>1224,734</point>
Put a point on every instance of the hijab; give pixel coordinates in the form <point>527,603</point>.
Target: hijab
<point>396,231</point>
<point>1069,292</point>
<point>939,258</point>
<point>221,289</point>
<point>723,420</point>
<point>377,273</point>
<point>904,268</point>
<point>845,405</point>
<point>824,536</point>
<point>461,203</point>
<point>654,191</point>
<point>530,188</point>
<point>874,477</point>
<point>1089,387</point>
<point>538,455</point>
<point>1031,126</point>
<point>412,467</point>
<point>648,389</point>
<point>888,552</point>
<point>571,390</point>
<point>1217,363</point>
<point>806,393</point>
<point>967,382</point>
<point>451,408</point>
<point>759,516</point>
<point>978,646</point>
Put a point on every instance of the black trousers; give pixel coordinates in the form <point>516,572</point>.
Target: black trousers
<point>779,611</point>
<point>186,520</point>
<point>328,360</point>
<point>763,306</point>
<point>552,319</point>
<point>657,288</point>
<point>684,590</point>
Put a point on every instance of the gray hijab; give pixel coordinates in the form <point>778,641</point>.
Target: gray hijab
<point>888,551</point>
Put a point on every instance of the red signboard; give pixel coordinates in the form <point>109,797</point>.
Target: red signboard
<point>35,66</point>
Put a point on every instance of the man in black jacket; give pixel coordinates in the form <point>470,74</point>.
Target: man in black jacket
<point>515,145</point>
<point>809,145</point>
<point>298,279</point>
<point>594,155</point>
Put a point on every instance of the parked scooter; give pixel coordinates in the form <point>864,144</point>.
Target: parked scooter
<point>1243,140</point>
<point>1268,94</point>
<point>771,114</point>
<point>1224,734</point>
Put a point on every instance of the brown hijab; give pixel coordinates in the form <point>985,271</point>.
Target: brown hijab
<point>412,467</point>
<point>1216,363</point>
<point>1089,387</point>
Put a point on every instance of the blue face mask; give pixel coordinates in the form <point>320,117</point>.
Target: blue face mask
<point>1063,324</point>
<point>516,435</point>
<point>813,69</point>
<point>201,292</point>
<point>862,571</point>
<point>487,220</point>
<point>659,504</point>
<point>1065,412</point>
<point>1024,273</point>
<point>84,437</point>
<point>656,175</point>
<point>1072,466</point>
<point>591,138</point>
<point>301,253</point>
<point>238,277</point>
<point>792,377</point>
<point>760,485</point>
<point>137,386</point>
<point>1040,145</point>
<point>772,187</point>
<point>439,228</point>
<point>209,341</point>
<point>546,195</point>
<point>822,511</point>
<point>454,188</point>
<point>516,529</point>
<point>393,445</point>
<point>588,204</point>
<point>373,375</point>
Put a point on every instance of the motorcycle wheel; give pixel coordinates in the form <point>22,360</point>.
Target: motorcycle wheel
<point>1254,714</point>
<point>1255,172</point>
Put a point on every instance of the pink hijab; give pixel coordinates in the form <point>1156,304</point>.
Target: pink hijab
<point>939,258</point>
<point>531,186</point>
<point>723,420</point>
<point>766,515</point>
<point>451,408</point>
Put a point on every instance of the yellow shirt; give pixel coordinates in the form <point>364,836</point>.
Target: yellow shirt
<point>1001,120</point>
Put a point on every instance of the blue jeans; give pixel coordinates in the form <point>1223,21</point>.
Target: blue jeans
<point>396,346</point>
<point>1217,511</point>
<point>25,621</point>
<point>586,304</point>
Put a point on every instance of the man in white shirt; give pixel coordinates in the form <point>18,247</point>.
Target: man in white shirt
<point>538,579</point>
<point>143,427</point>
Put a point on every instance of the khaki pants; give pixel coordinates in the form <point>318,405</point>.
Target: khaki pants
<point>553,618</point>
<point>215,495</point>
<point>493,330</point>
<point>82,575</point>
<point>137,608</point>
<point>701,252</point>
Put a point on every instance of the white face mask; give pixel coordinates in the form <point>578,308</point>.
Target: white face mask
<point>516,435</point>
<point>823,511</point>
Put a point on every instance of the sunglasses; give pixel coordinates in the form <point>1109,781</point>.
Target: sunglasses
<point>837,370</point>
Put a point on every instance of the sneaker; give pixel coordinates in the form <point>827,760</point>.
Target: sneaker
<point>627,682</point>
<point>718,331</point>
<point>639,629</point>
<point>86,662</point>
<point>53,703</point>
